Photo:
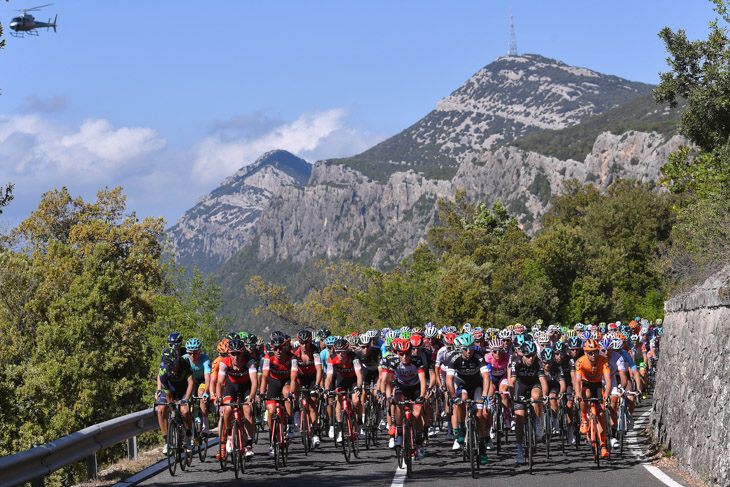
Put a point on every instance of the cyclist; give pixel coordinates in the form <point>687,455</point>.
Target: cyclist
<point>369,356</point>
<point>619,376</point>
<point>418,349</point>
<point>498,364</point>
<point>279,372</point>
<point>237,381</point>
<point>175,383</point>
<point>310,375</point>
<point>406,380</point>
<point>591,373</point>
<point>324,355</point>
<point>344,372</point>
<point>527,378</point>
<point>386,364</point>
<point>444,357</point>
<point>556,383</point>
<point>564,362</point>
<point>200,365</point>
<point>175,340</point>
<point>468,378</point>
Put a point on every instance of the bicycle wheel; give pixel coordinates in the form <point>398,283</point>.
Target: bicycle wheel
<point>305,430</point>
<point>355,436</point>
<point>182,451</point>
<point>372,431</point>
<point>275,441</point>
<point>622,426</point>
<point>345,437</point>
<point>222,457</point>
<point>408,447</point>
<point>548,430</point>
<point>171,447</point>
<point>203,447</point>
<point>595,441</point>
<point>284,446</point>
<point>562,426</point>
<point>471,446</point>
<point>236,451</point>
<point>529,431</point>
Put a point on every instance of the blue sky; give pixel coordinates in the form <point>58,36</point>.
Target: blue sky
<point>167,98</point>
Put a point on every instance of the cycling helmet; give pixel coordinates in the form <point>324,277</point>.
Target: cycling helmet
<point>364,339</point>
<point>175,339</point>
<point>547,355</point>
<point>570,334</point>
<point>596,335</point>
<point>604,342</point>
<point>612,327</point>
<point>616,344</point>
<point>519,329</point>
<point>304,336</point>
<point>543,338</point>
<point>430,323</point>
<point>416,340</point>
<point>391,334</point>
<point>323,333</point>
<point>579,327</point>
<point>222,346</point>
<point>575,342</point>
<point>431,331</point>
<point>193,344</point>
<point>519,341</point>
<point>660,331</point>
<point>634,337</point>
<point>385,331</point>
<point>644,331</point>
<point>402,345</point>
<point>373,333</point>
<point>329,341</point>
<point>341,344</point>
<point>276,341</point>
<point>559,348</point>
<point>260,342</point>
<point>478,335</point>
<point>388,343</point>
<point>406,328</point>
<point>659,322</point>
<point>235,345</point>
<point>450,338</point>
<point>535,328</point>
<point>251,340</point>
<point>276,333</point>
<point>591,345</point>
<point>353,340</point>
<point>465,340</point>
<point>505,334</point>
<point>496,344</point>
<point>417,330</point>
<point>233,336</point>
<point>602,328</point>
<point>405,335</point>
<point>170,356</point>
<point>554,328</point>
<point>528,348</point>
<point>529,337</point>
<point>466,328</point>
<point>452,329</point>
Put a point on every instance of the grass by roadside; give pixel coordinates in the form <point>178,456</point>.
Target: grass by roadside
<point>124,469</point>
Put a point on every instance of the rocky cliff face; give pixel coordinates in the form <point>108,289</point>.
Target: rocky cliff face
<point>344,214</point>
<point>690,412</point>
<point>219,224</point>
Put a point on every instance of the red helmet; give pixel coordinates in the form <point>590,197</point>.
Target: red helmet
<point>401,345</point>
<point>591,345</point>
<point>449,338</point>
<point>416,340</point>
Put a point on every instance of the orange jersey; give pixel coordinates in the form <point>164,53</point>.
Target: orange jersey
<point>214,370</point>
<point>585,371</point>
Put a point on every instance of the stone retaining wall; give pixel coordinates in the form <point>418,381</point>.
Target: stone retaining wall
<point>691,412</point>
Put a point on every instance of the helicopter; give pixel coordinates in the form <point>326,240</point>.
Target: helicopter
<point>26,23</point>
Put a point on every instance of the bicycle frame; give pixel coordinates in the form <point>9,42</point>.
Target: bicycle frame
<point>406,452</point>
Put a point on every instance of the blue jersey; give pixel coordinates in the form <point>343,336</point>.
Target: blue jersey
<point>628,359</point>
<point>201,368</point>
<point>176,380</point>
<point>324,355</point>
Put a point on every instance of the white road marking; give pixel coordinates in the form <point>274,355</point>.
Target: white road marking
<point>399,478</point>
<point>633,445</point>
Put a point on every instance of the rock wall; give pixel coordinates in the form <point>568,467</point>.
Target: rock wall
<point>691,413</point>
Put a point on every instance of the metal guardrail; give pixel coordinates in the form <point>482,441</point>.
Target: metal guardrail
<point>34,464</point>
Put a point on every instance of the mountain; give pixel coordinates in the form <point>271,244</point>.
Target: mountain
<point>218,225</point>
<point>513,132</point>
<point>510,98</point>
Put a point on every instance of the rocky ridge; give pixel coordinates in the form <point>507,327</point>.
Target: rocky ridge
<point>218,225</point>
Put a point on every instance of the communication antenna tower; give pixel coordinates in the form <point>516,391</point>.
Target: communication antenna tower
<point>512,38</point>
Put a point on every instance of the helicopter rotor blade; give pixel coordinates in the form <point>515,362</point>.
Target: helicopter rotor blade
<point>34,8</point>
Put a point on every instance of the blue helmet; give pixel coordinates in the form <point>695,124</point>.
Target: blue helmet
<point>575,342</point>
<point>193,344</point>
<point>329,341</point>
<point>559,347</point>
<point>169,356</point>
<point>547,355</point>
<point>175,339</point>
<point>528,348</point>
<point>519,340</point>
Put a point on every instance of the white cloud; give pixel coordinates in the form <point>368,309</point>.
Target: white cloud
<point>31,145</point>
<point>314,135</point>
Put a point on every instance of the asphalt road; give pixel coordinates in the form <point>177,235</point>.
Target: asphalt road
<point>441,467</point>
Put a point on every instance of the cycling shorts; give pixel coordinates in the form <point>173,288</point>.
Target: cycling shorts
<point>523,392</point>
<point>275,388</point>
<point>410,393</point>
<point>473,390</point>
<point>236,392</point>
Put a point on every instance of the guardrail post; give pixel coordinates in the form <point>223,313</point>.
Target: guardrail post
<point>132,453</point>
<point>91,467</point>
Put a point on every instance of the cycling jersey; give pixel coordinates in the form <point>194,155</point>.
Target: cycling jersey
<point>527,374</point>
<point>406,375</point>
<point>468,369</point>
<point>237,375</point>
<point>371,360</point>
<point>343,365</point>
<point>201,368</point>
<point>175,382</point>
<point>280,369</point>
<point>308,367</point>
<point>497,367</point>
<point>589,373</point>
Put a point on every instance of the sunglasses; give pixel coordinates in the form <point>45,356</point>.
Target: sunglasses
<point>595,352</point>
<point>236,353</point>
<point>532,355</point>
<point>277,349</point>
<point>196,352</point>
<point>364,346</point>
<point>404,353</point>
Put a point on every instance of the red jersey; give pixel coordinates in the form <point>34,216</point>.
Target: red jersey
<point>280,370</point>
<point>344,365</point>
<point>308,367</point>
<point>237,376</point>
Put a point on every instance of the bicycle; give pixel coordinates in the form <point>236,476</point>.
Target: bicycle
<point>306,421</point>
<point>323,419</point>
<point>501,419</point>
<point>404,454</point>
<point>239,437</point>
<point>576,420</point>
<point>530,433</point>
<point>257,410</point>
<point>471,445</point>
<point>563,420</point>
<point>547,423</point>
<point>279,440</point>
<point>348,426</point>
<point>177,451</point>
<point>200,440</point>
<point>623,418</point>
<point>372,421</point>
<point>593,436</point>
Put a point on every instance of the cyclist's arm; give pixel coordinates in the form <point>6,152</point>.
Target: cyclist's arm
<point>545,387</point>
<point>450,383</point>
<point>422,380</point>
<point>318,368</point>
<point>293,376</point>
<point>358,372</point>
<point>191,385</point>
<point>207,383</point>
<point>264,381</point>
<point>254,378</point>
<point>330,373</point>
